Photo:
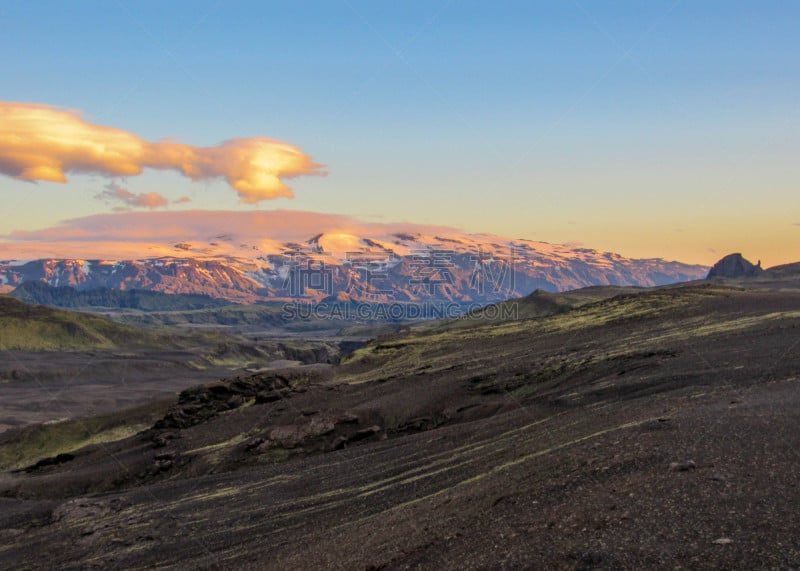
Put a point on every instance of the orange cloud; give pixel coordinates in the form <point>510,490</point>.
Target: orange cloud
<point>182,200</point>
<point>40,142</point>
<point>189,225</point>
<point>142,200</point>
<point>138,234</point>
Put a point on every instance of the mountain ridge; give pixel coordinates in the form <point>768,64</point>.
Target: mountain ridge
<point>399,266</point>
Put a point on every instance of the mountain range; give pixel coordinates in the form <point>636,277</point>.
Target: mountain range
<point>388,267</point>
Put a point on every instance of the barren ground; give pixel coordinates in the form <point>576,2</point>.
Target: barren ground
<point>650,430</point>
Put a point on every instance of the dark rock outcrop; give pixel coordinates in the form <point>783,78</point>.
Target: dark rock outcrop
<point>201,403</point>
<point>735,266</point>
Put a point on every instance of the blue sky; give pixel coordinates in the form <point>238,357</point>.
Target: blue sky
<point>648,128</point>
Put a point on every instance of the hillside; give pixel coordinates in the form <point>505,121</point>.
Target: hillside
<point>537,305</point>
<point>104,298</point>
<point>38,328</point>
<point>648,429</point>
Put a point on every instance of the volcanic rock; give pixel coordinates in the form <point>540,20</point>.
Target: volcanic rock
<point>735,266</point>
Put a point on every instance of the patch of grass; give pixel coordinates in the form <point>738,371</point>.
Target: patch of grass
<point>701,327</point>
<point>25,446</point>
<point>237,439</point>
<point>223,492</point>
<point>39,328</point>
<point>402,354</point>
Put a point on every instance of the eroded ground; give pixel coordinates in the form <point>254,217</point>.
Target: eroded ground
<point>650,430</point>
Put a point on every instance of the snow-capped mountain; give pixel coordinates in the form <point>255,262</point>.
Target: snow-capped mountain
<point>379,267</point>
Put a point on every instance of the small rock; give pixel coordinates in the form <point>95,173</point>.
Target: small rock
<point>682,466</point>
<point>366,432</point>
<point>289,436</point>
<point>348,418</point>
<point>264,397</point>
<point>263,446</point>
<point>339,443</point>
<point>161,440</point>
<point>163,465</point>
<point>319,426</point>
<point>118,504</point>
<point>254,443</point>
<point>723,541</point>
<point>81,509</point>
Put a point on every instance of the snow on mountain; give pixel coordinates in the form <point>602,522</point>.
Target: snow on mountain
<point>383,267</point>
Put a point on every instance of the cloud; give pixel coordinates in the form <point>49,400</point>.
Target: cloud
<point>188,225</point>
<point>141,234</point>
<point>182,200</point>
<point>44,143</point>
<point>149,200</point>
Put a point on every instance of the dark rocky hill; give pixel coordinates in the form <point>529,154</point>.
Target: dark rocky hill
<point>734,266</point>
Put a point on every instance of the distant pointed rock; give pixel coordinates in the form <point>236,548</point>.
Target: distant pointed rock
<point>734,266</point>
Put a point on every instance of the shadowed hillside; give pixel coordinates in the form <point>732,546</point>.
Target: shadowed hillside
<point>39,328</point>
<point>105,298</point>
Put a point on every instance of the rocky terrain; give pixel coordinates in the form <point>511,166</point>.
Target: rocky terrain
<point>604,429</point>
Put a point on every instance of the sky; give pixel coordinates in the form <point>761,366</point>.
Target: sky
<point>652,129</point>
